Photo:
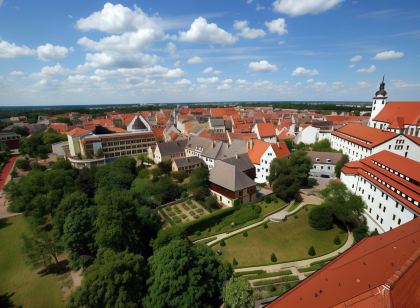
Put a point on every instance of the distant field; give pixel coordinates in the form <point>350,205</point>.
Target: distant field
<point>289,241</point>
<point>29,289</point>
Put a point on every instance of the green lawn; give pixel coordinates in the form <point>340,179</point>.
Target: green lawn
<point>225,226</point>
<point>289,241</point>
<point>29,289</point>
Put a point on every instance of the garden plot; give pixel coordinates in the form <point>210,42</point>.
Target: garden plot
<point>183,212</point>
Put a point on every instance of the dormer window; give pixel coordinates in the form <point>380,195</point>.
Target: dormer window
<point>328,160</point>
<point>317,160</point>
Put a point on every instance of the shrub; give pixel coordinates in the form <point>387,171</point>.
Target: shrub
<point>273,257</point>
<point>222,243</point>
<point>312,182</point>
<point>311,251</point>
<point>265,225</point>
<point>234,262</point>
<point>268,199</point>
<point>337,240</point>
<point>23,164</point>
<point>273,288</point>
<point>245,234</point>
<point>184,194</point>
<point>296,216</point>
<point>321,218</point>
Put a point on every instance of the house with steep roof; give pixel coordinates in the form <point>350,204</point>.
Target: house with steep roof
<point>381,271</point>
<point>359,141</point>
<point>217,125</point>
<point>166,151</point>
<point>230,185</point>
<point>323,163</point>
<point>187,164</point>
<point>265,132</point>
<point>389,185</point>
<point>262,153</point>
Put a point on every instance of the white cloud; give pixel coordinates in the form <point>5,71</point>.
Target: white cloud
<point>118,60</point>
<point>195,60</point>
<point>277,26</point>
<point>183,82</point>
<point>246,32</point>
<point>404,84</point>
<point>352,65</point>
<point>363,84</point>
<point>356,58</point>
<point>208,70</point>
<point>262,66</point>
<point>303,7</point>
<point>369,69</point>
<point>203,32</point>
<point>209,80</point>
<point>116,19</point>
<point>388,55</point>
<point>224,86</point>
<point>17,73</point>
<point>260,7</point>
<point>175,73</point>
<point>11,50</point>
<point>301,71</point>
<point>49,52</point>
<point>171,49</point>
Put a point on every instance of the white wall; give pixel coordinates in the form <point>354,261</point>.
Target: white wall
<point>222,199</point>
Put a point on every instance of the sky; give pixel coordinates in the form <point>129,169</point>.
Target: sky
<point>162,51</point>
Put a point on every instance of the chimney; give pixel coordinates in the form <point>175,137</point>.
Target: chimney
<point>250,144</point>
<point>236,156</point>
<point>213,143</point>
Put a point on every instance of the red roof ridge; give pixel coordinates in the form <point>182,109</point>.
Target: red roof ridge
<point>404,268</point>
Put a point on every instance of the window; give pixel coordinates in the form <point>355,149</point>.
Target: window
<point>402,209</point>
<point>384,209</point>
<point>399,221</point>
<point>393,217</point>
<point>377,217</point>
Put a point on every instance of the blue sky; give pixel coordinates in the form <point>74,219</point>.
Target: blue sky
<point>89,52</point>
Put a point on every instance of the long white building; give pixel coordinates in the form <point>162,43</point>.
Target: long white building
<point>389,185</point>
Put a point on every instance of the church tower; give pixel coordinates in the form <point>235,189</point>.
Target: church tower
<point>379,102</point>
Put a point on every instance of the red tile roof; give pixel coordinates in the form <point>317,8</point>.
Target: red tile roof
<point>409,111</point>
<point>346,118</point>
<point>367,272</point>
<point>266,129</point>
<point>78,131</point>
<point>60,127</point>
<point>363,135</point>
<point>368,168</point>
<point>259,147</point>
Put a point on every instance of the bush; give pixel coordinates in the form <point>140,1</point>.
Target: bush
<point>222,243</point>
<point>265,226</point>
<point>311,251</point>
<point>273,288</point>
<point>273,257</point>
<point>321,218</point>
<point>312,182</point>
<point>234,262</point>
<point>337,240</point>
<point>296,216</point>
<point>23,164</point>
<point>268,199</point>
<point>245,234</point>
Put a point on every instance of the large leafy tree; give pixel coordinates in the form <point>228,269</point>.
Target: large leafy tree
<point>41,248</point>
<point>185,275</point>
<point>340,164</point>
<point>118,174</point>
<point>237,293</point>
<point>199,183</point>
<point>113,280</point>
<point>79,236</point>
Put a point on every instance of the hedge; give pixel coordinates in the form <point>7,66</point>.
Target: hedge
<point>239,274</point>
<point>310,268</point>
<point>276,280</point>
<point>323,261</point>
<point>267,275</point>
<point>207,221</point>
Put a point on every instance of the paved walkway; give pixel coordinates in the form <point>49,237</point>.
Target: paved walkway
<point>276,217</point>
<point>4,178</point>
<point>302,263</point>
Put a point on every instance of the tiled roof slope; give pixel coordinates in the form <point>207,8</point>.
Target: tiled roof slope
<point>370,274</point>
<point>363,135</point>
<point>408,111</point>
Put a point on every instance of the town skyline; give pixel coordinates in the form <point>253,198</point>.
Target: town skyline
<point>246,50</point>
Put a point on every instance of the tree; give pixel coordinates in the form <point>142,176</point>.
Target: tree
<point>185,275</point>
<point>199,183</point>
<point>361,230</point>
<point>23,164</point>
<point>340,164</point>
<point>100,153</point>
<point>323,145</point>
<point>237,293</point>
<point>113,280</point>
<point>273,257</point>
<point>79,237</point>
<point>68,204</point>
<point>180,176</point>
<point>321,218</point>
<point>165,166</point>
<point>41,248</point>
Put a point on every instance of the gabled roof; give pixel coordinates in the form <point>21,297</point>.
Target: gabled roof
<point>188,161</point>
<point>230,177</point>
<point>78,132</point>
<point>257,149</point>
<point>369,274</point>
<point>408,111</point>
<point>266,129</point>
<point>241,161</point>
<point>363,135</point>
<point>324,157</point>
<point>172,147</point>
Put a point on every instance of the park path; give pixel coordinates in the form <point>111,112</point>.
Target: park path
<point>4,178</point>
<point>275,217</point>
<point>294,265</point>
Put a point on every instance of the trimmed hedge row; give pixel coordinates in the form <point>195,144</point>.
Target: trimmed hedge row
<point>276,280</point>
<point>239,274</point>
<point>310,268</point>
<point>326,260</point>
<point>207,221</point>
<point>268,275</point>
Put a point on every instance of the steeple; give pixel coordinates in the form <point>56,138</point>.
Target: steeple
<point>381,90</point>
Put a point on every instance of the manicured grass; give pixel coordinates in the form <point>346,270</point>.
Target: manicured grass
<point>289,240</point>
<point>266,209</point>
<point>29,288</point>
<point>293,207</point>
<point>279,289</point>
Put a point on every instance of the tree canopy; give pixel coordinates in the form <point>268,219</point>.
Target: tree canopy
<point>185,275</point>
<point>237,293</point>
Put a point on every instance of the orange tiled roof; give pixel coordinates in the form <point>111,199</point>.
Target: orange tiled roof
<point>259,147</point>
<point>158,132</point>
<point>363,135</point>
<point>59,127</point>
<point>281,149</point>
<point>78,131</point>
<point>362,272</point>
<point>266,129</point>
<point>409,111</point>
